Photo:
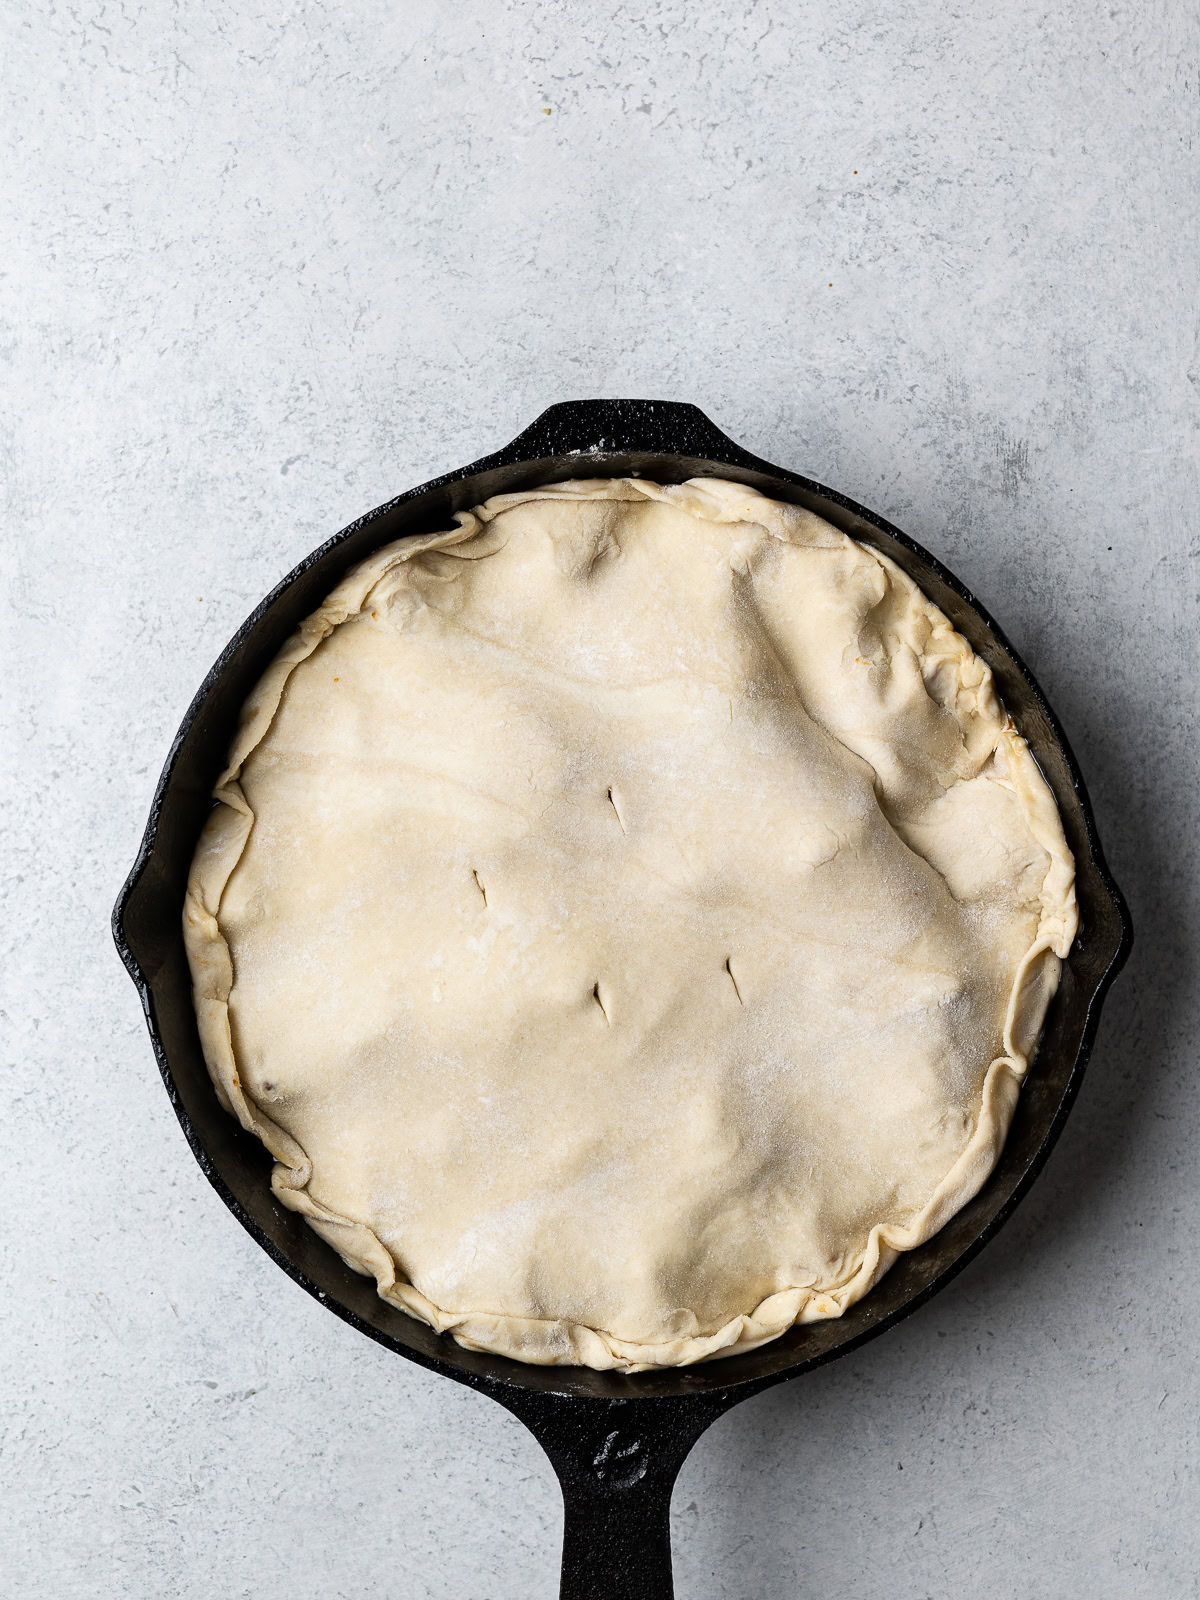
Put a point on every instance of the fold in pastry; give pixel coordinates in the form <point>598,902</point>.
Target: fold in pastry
<point>627,919</point>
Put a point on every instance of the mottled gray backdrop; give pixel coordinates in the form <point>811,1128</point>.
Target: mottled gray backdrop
<point>265,265</point>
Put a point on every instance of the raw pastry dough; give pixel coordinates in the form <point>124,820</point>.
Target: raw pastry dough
<point>627,920</point>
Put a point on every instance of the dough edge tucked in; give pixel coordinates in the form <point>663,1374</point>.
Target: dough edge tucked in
<point>556,1341</point>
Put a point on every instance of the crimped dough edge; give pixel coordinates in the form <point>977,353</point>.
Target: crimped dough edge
<point>557,1342</point>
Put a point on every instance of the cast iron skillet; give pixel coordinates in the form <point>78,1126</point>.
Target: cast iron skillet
<point>616,1442</point>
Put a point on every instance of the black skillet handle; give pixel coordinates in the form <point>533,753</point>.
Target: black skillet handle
<point>617,1461</point>
<point>617,1538</point>
<point>621,427</point>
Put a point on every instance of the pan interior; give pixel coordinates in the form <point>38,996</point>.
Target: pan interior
<point>149,935</point>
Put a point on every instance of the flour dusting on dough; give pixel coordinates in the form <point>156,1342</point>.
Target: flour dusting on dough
<point>627,920</point>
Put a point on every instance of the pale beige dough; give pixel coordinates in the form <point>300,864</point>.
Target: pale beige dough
<point>627,920</point>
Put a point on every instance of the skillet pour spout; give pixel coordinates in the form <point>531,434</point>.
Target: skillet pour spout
<point>616,1441</point>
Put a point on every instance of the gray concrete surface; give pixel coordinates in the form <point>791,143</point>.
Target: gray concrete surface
<point>263,266</point>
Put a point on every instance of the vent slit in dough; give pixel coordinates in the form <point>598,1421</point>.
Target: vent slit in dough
<point>733,981</point>
<point>598,998</point>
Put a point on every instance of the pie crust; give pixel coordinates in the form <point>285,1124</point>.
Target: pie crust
<point>627,919</point>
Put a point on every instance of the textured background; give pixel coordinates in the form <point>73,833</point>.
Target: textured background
<point>268,265</point>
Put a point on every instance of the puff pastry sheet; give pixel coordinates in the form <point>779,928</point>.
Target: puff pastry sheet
<point>627,919</point>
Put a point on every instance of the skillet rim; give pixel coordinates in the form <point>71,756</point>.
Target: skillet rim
<point>638,429</point>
